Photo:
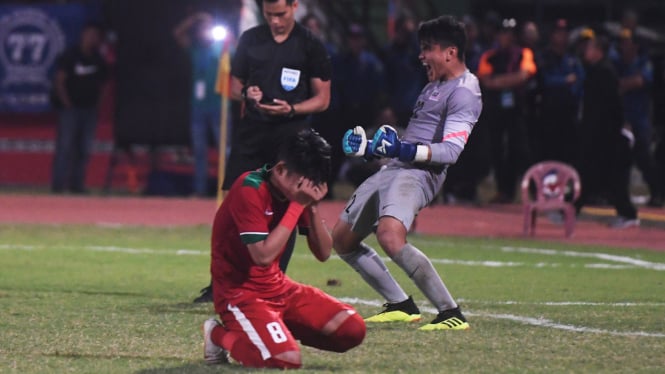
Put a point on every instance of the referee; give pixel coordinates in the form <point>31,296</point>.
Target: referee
<point>281,73</point>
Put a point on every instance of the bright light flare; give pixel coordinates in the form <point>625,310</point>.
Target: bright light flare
<point>219,32</point>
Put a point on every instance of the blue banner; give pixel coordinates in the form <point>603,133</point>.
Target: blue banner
<point>31,39</point>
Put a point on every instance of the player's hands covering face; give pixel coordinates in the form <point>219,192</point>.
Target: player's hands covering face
<point>307,192</point>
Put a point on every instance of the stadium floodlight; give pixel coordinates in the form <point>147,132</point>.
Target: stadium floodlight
<point>219,32</point>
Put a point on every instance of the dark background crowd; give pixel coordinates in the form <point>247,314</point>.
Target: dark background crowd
<point>529,56</point>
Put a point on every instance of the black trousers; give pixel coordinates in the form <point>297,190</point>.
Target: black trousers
<point>509,145</point>
<point>604,168</point>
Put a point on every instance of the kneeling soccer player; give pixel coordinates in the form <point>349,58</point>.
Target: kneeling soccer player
<point>264,312</point>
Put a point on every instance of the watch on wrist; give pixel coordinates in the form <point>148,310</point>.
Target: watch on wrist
<point>292,112</point>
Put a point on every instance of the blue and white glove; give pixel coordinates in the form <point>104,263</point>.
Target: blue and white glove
<point>386,143</point>
<point>355,144</point>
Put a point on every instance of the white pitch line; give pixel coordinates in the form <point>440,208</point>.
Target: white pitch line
<point>492,264</point>
<point>538,322</point>
<point>97,248</point>
<point>541,322</point>
<point>20,247</point>
<point>525,320</point>
<point>603,256</point>
<point>562,303</point>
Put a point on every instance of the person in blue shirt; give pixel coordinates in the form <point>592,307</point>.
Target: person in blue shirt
<point>194,34</point>
<point>404,71</point>
<point>358,79</point>
<point>560,77</point>
<point>636,76</point>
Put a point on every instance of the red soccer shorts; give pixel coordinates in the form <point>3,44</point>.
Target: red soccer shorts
<point>273,326</point>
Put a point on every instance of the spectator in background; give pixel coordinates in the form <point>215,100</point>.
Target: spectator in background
<point>504,72</point>
<point>659,154</point>
<point>560,76</point>
<point>281,72</point>
<point>604,159</point>
<point>530,38</point>
<point>405,75</point>
<point>359,80</point>
<point>313,24</point>
<point>194,33</point>
<point>474,49</point>
<point>327,123</point>
<point>630,21</point>
<point>491,23</point>
<point>80,74</point>
<point>636,74</point>
<point>580,38</point>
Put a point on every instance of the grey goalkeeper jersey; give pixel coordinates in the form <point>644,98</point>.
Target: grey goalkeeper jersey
<point>443,117</point>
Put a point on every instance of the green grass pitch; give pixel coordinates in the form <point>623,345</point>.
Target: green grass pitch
<point>88,299</point>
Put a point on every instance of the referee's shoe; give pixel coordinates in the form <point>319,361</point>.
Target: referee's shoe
<point>205,296</point>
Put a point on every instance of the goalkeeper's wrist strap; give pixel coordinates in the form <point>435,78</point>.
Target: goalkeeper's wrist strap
<point>413,152</point>
<point>292,215</point>
<point>369,156</point>
<point>422,153</point>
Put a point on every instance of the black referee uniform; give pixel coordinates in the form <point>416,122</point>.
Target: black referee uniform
<point>282,71</point>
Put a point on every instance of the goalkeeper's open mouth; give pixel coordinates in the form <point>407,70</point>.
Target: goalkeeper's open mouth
<point>429,71</point>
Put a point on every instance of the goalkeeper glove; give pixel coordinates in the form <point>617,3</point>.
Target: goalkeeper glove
<point>355,144</point>
<point>386,143</point>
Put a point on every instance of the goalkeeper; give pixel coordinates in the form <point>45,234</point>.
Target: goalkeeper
<point>387,202</point>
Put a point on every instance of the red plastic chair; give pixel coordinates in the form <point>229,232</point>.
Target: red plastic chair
<point>552,181</point>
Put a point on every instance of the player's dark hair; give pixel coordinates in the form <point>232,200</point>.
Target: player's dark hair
<point>307,153</point>
<point>288,2</point>
<point>445,31</point>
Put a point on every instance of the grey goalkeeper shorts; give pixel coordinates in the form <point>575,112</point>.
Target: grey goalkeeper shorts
<point>395,192</point>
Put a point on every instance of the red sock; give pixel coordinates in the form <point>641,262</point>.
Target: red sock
<point>217,335</point>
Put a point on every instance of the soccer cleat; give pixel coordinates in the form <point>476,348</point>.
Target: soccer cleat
<point>451,319</point>
<point>212,353</point>
<point>205,296</point>
<point>405,311</point>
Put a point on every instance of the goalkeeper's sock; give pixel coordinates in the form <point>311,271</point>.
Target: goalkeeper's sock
<point>419,268</point>
<point>371,268</point>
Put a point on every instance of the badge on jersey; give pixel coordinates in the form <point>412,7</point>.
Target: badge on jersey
<point>435,95</point>
<point>290,78</point>
<point>200,90</point>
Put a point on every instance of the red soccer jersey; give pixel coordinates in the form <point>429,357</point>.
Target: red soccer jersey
<point>247,215</point>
